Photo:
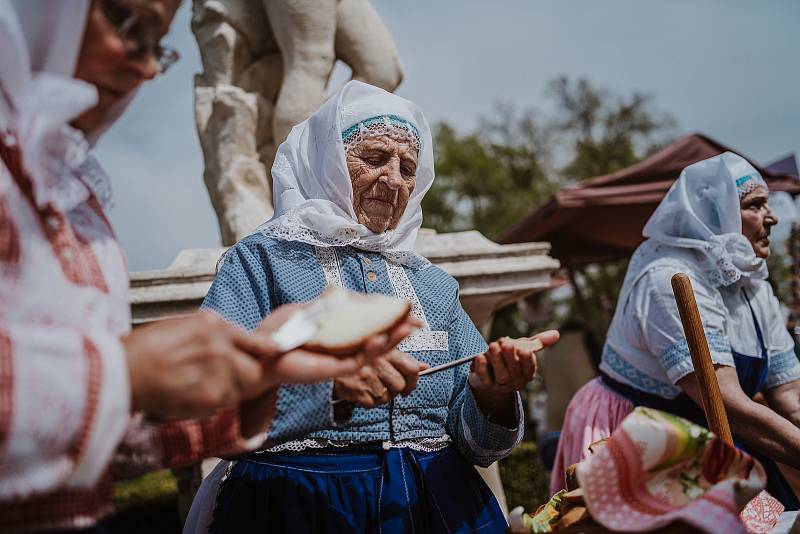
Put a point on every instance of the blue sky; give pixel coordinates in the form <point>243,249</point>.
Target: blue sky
<point>727,68</point>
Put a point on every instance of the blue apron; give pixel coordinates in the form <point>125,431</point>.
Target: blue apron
<point>356,490</point>
<point>752,372</point>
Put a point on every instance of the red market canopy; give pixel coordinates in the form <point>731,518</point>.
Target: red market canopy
<point>602,218</point>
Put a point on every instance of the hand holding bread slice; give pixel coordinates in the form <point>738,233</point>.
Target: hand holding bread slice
<point>341,322</point>
<point>346,319</point>
<point>325,339</point>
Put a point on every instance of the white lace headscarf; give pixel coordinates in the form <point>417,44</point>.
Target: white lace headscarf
<point>40,42</point>
<point>312,188</point>
<point>701,213</point>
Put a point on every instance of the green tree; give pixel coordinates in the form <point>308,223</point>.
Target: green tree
<point>602,133</point>
<point>489,178</point>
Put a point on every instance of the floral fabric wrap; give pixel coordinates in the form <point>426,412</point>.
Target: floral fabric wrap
<point>658,468</point>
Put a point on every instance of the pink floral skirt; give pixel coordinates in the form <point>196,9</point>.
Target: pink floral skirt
<point>593,414</point>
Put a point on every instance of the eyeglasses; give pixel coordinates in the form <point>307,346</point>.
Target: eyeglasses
<point>143,37</point>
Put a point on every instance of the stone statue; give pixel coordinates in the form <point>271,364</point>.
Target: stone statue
<point>266,65</point>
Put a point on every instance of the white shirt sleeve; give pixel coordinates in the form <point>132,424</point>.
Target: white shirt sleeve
<point>784,366</point>
<point>660,325</point>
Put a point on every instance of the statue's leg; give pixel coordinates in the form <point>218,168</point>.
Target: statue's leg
<point>304,31</point>
<point>228,118</point>
<point>364,43</point>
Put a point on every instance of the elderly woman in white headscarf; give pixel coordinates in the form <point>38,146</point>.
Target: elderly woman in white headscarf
<point>714,225</point>
<point>348,184</point>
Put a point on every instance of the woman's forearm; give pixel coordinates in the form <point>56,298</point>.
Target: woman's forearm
<point>757,426</point>
<point>792,415</point>
<point>765,431</point>
<point>785,399</point>
<point>499,408</point>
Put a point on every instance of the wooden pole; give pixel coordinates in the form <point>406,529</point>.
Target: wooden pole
<point>701,358</point>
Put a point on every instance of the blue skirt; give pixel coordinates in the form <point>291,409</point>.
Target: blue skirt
<point>389,491</point>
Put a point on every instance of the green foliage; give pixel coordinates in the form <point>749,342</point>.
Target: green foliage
<point>779,264</point>
<point>148,503</point>
<point>605,133</point>
<point>140,490</point>
<point>487,179</point>
<point>599,285</point>
<point>507,322</point>
<point>524,479</point>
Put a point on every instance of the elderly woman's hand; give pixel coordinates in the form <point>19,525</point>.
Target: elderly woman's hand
<point>508,364</point>
<point>391,374</point>
<point>504,368</point>
<point>302,366</point>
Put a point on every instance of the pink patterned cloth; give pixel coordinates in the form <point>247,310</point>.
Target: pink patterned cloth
<point>593,414</point>
<point>762,513</point>
<point>658,468</point>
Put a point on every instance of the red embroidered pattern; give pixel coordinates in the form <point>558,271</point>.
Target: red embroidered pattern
<point>761,513</point>
<point>94,376</point>
<point>77,259</point>
<point>64,509</point>
<point>6,387</point>
<point>9,236</point>
<point>75,255</point>
<point>188,441</point>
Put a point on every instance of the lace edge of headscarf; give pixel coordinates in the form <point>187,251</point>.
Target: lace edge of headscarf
<point>55,155</point>
<point>63,170</point>
<point>749,183</point>
<point>288,227</point>
<point>381,125</point>
<point>716,261</point>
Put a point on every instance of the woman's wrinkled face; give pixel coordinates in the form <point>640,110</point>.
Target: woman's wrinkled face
<point>757,220</point>
<point>105,60</point>
<point>383,170</point>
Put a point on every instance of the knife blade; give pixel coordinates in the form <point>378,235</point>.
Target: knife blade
<point>299,328</point>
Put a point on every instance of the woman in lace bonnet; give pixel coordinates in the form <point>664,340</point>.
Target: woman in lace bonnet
<point>348,183</point>
<point>714,225</point>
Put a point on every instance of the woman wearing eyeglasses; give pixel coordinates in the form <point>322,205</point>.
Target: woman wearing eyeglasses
<point>76,386</point>
<point>121,49</point>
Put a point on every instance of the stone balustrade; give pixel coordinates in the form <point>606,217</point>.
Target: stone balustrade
<point>490,275</point>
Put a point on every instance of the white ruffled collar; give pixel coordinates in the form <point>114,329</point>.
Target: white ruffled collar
<point>289,227</point>
<point>63,170</point>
